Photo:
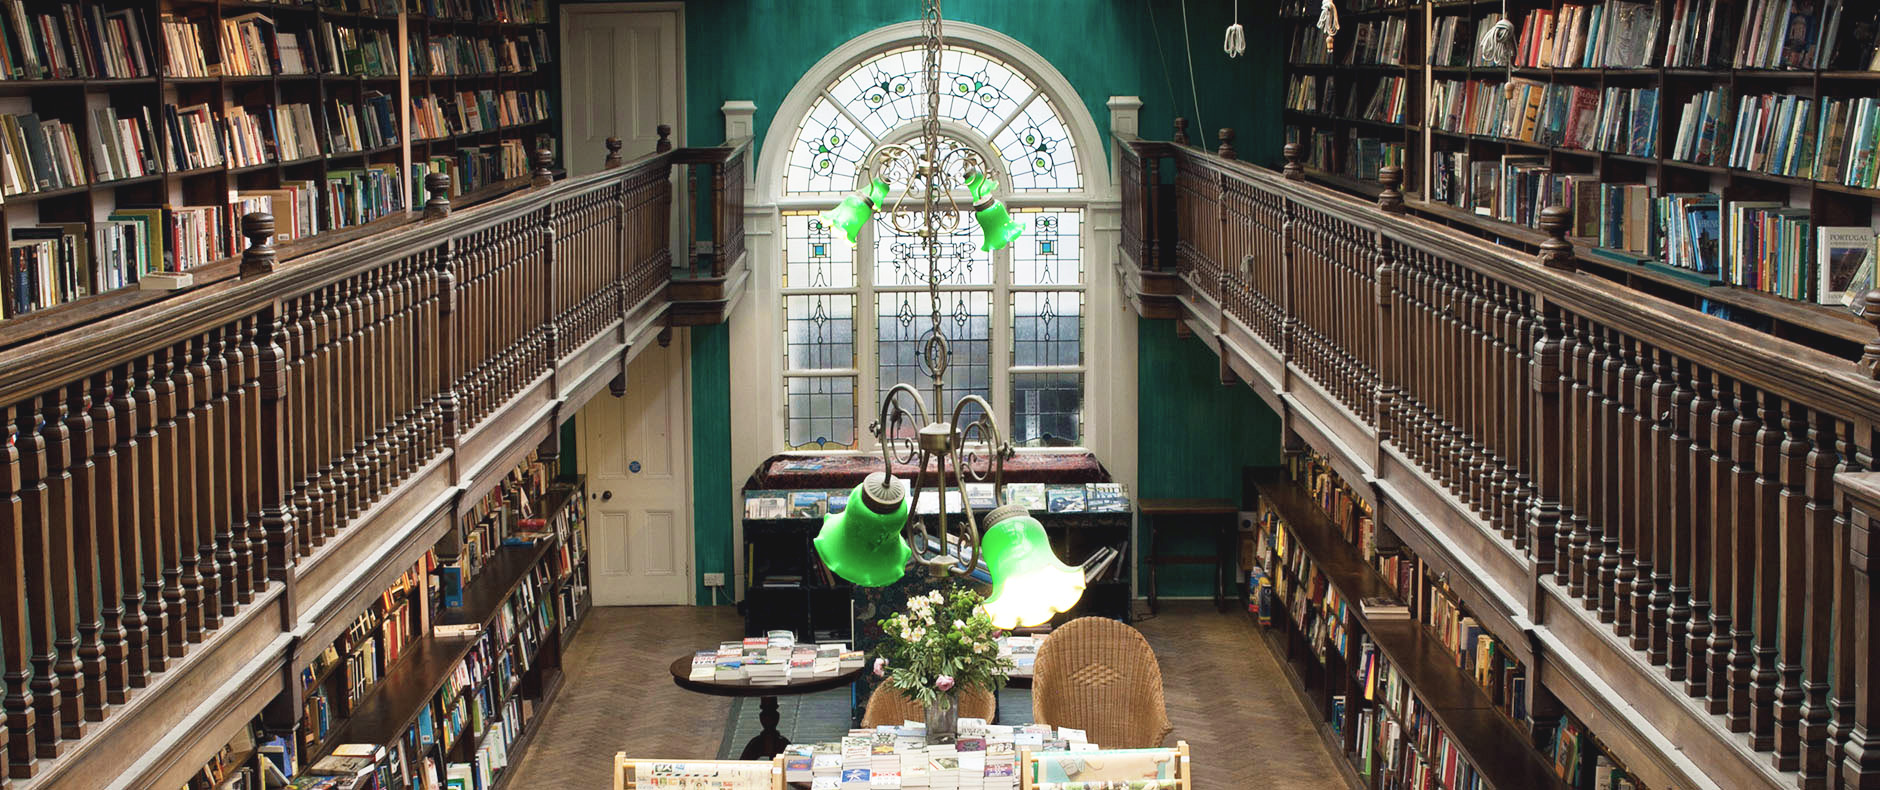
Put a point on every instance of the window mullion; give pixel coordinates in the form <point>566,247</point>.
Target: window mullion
<point>867,348</point>
<point>999,340</point>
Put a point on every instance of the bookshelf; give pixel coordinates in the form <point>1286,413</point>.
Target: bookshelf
<point>1431,696</point>
<point>786,585</point>
<point>462,700</point>
<point>195,112</point>
<point>1466,170</point>
<point>1358,107</point>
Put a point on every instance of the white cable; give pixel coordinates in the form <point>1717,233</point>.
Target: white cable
<point>1328,22</point>
<point>1193,93</point>
<point>1235,44</point>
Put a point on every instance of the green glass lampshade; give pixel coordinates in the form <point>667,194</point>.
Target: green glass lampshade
<point>995,223</point>
<point>1029,584</point>
<point>853,213</point>
<point>863,542</point>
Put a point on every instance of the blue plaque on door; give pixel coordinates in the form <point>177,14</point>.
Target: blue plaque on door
<point>634,467</point>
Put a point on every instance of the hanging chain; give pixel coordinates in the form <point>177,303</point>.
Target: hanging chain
<point>936,348</point>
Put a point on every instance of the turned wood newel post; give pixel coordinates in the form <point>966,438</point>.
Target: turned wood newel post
<point>1860,757</point>
<point>1295,168</point>
<point>544,173</point>
<point>613,154</point>
<point>1390,198</point>
<point>1226,150</point>
<point>259,257</point>
<point>437,185</point>
<point>665,138</point>
<point>1181,131</point>
<point>1547,439</point>
<point>1556,252</point>
<point>1870,353</point>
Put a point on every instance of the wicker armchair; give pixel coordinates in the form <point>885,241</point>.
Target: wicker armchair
<point>1099,675</point>
<point>887,705</point>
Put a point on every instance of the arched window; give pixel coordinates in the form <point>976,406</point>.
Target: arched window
<point>854,316</point>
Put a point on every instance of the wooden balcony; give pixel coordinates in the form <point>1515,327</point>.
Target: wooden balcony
<point>197,493</point>
<point>1663,512</point>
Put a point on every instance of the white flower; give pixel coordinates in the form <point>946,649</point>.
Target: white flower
<point>960,625</point>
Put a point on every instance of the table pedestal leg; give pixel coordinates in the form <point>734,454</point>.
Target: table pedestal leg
<point>768,743</point>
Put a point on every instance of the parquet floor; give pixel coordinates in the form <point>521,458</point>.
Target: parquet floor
<point>1225,693</point>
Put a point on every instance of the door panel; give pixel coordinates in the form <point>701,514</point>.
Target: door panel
<point>635,451</point>
<point>623,81</point>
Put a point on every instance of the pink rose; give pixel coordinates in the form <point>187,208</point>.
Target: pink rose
<point>881,666</point>
<point>943,683</point>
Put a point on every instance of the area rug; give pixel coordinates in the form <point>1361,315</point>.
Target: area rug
<point>827,716</point>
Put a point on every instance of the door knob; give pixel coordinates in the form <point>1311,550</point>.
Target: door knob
<point>607,495</point>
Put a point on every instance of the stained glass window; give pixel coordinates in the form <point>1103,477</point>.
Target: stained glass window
<point>878,101</point>
<point>1013,318</point>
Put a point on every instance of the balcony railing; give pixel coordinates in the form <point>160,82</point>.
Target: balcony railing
<point>1633,482</point>
<point>170,470</point>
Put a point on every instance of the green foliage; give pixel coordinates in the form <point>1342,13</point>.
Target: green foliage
<point>943,635</point>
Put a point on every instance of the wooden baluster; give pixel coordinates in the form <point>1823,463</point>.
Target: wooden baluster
<point>1849,614</point>
<point>277,518</point>
<point>1570,550</point>
<point>1748,427</point>
<point>168,480</point>
<point>1642,488</point>
<point>350,383</point>
<point>180,421</point>
<point>1723,518</point>
<point>211,466</point>
<point>56,478</point>
<point>1676,493</point>
<point>253,551</point>
<point>135,523</point>
<point>42,591</point>
<point>1699,523</point>
<point>231,532</point>
<point>160,618</point>
<point>1629,477</point>
<point>1795,527</point>
<point>1860,760</point>
<point>1659,511</point>
<point>21,708</point>
<point>1605,523</point>
<point>108,515</point>
<point>307,412</point>
<point>371,330</point>
<point>75,457</point>
<point>1524,417</point>
<point>1823,560</point>
<point>1767,572</point>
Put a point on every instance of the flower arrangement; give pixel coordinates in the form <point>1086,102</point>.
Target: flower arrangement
<point>943,643</point>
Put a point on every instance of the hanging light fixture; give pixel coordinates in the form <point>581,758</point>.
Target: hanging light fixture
<point>872,540</point>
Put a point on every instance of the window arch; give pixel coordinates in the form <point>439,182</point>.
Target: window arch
<point>854,316</point>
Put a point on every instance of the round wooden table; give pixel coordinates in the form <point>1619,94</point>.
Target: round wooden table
<point>768,743</point>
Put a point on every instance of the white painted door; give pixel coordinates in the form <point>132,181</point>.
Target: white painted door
<point>636,452</point>
<point>621,78</point>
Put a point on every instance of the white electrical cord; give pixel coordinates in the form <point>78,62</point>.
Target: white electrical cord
<point>1235,44</point>
<point>1495,48</point>
<point>1194,93</point>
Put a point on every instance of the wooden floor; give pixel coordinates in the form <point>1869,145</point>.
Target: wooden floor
<point>1225,694</point>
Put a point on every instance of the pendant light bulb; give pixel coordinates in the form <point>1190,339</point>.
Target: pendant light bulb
<point>1029,583</point>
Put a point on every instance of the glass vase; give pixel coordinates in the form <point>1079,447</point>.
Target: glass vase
<point>943,718</point>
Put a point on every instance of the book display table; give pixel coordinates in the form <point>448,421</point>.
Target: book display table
<point>769,742</point>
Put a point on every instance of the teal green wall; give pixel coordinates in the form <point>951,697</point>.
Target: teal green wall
<point>1193,437</point>
<point>713,480</point>
<point>758,49</point>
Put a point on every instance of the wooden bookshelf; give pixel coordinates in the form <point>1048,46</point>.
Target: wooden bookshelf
<point>1827,203</point>
<point>1343,118</point>
<point>226,87</point>
<point>1500,750</point>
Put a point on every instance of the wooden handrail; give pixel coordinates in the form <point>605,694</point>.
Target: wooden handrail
<point>1676,479</point>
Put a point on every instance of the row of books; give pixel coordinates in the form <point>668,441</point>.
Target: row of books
<point>1452,41</point>
<point>252,759</point>
<point>65,41</point>
<point>1388,101</point>
<point>1285,580</point>
<point>370,123</point>
<point>1580,761</point>
<point>505,509</point>
<point>515,12</point>
<point>445,55</point>
<point>1617,34</point>
<point>39,154</point>
<point>1348,153</point>
<point>1377,42</point>
<point>1414,752</point>
<point>473,167</point>
<point>1310,92</point>
<point>476,111</point>
<point>1615,119</point>
<point>1825,139</point>
<point>1036,497</point>
<point>1307,47</point>
<point>1790,34</point>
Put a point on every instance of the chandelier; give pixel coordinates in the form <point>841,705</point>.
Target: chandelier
<point>915,189</point>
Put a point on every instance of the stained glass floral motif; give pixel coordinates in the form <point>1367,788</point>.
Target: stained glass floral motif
<point>882,99</point>
<point>904,320</point>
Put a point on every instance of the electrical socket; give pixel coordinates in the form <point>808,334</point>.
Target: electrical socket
<point>714,580</point>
